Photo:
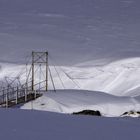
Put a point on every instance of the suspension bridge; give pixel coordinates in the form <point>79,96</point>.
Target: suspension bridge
<point>31,82</point>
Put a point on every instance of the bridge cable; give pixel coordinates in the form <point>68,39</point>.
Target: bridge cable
<point>67,75</point>
<point>52,79</point>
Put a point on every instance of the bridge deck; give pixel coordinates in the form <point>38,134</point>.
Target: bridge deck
<point>17,97</point>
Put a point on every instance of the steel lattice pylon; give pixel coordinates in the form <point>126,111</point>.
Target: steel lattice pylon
<point>40,58</point>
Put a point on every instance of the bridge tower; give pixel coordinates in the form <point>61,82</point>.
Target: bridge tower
<point>39,59</point>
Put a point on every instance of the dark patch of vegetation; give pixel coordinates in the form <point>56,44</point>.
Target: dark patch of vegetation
<point>88,112</point>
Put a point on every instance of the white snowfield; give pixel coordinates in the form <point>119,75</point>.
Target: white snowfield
<point>41,125</point>
<point>71,101</point>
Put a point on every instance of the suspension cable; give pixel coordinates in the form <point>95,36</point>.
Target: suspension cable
<point>39,76</point>
<point>52,80</point>
<point>59,77</point>
<point>65,73</point>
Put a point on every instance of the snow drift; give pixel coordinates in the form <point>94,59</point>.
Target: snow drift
<point>70,101</point>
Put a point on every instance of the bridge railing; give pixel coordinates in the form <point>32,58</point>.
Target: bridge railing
<point>13,95</point>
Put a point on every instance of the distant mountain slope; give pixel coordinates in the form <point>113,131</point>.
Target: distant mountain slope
<point>120,78</point>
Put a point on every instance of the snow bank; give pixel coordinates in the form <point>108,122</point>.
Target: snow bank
<point>69,101</point>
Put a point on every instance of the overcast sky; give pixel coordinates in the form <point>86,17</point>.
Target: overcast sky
<point>73,31</point>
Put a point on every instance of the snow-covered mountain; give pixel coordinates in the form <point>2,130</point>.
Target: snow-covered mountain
<point>118,78</point>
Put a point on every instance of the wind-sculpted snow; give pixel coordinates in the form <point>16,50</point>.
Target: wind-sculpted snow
<point>70,101</point>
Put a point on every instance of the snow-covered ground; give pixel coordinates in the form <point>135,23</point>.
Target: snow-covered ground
<point>36,125</point>
<point>71,101</point>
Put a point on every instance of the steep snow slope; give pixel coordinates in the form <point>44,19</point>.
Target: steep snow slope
<point>118,78</point>
<point>36,125</point>
<point>70,101</point>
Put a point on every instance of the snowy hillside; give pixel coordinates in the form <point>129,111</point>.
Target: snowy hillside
<point>118,78</point>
